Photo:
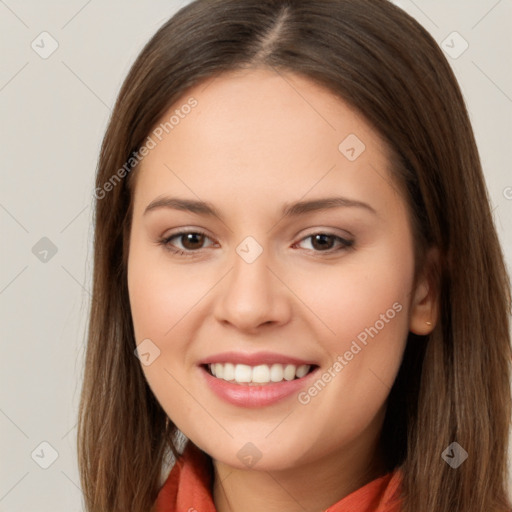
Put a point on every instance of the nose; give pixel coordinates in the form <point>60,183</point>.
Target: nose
<point>252,296</point>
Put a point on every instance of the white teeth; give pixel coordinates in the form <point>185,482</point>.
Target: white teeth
<point>302,370</point>
<point>243,373</point>
<point>219,371</point>
<point>229,371</point>
<point>260,374</point>
<point>289,372</point>
<point>276,373</point>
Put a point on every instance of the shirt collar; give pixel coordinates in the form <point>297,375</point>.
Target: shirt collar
<point>188,488</point>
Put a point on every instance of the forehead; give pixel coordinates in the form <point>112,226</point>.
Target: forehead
<point>265,131</point>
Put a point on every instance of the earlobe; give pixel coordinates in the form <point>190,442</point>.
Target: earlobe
<point>424,304</point>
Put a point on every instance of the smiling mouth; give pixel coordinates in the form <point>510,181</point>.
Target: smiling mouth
<point>258,375</point>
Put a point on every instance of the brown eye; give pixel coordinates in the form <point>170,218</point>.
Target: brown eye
<point>322,242</point>
<point>325,242</point>
<point>191,241</point>
<point>187,242</point>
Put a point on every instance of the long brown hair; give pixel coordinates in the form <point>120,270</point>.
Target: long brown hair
<point>453,385</point>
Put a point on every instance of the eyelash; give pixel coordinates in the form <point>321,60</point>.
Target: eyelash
<point>166,243</point>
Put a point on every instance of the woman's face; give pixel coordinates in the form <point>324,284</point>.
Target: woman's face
<point>269,239</point>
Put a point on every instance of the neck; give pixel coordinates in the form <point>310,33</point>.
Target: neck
<point>313,486</point>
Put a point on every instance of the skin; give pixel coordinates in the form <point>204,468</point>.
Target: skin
<point>252,145</point>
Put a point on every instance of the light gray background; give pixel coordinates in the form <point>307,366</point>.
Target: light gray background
<point>54,112</point>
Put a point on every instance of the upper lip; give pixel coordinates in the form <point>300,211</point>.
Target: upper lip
<point>253,359</point>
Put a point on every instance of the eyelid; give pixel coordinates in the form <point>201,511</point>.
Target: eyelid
<point>346,235</point>
<point>180,234</point>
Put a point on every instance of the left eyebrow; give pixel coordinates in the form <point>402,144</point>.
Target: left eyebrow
<point>302,207</point>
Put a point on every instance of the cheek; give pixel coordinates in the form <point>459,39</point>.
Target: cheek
<point>363,305</point>
<point>160,295</point>
<point>161,299</point>
<point>362,292</point>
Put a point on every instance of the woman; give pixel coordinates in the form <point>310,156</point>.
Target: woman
<point>293,236</point>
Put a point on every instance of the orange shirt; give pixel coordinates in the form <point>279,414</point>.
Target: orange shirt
<point>188,489</point>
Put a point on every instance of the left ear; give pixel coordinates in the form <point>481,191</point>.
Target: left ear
<point>425,296</point>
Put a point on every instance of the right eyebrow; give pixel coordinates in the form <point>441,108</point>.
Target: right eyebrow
<point>190,205</point>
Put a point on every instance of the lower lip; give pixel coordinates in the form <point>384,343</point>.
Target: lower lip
<point>244,395</point>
